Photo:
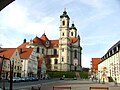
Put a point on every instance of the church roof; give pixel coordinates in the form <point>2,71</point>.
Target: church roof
<point>54,43</point>
<point>44,37</point>
<point>64,15</point>
<point>73,40</point>
<point>37,40</point>
<point>73,27</point>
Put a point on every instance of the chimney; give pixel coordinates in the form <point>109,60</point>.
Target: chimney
<point>0,49</point>
<point>24,41</point>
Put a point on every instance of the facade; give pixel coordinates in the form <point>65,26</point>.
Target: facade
<point>109,66</point>
<point>29,62</point>
<point>10,58</point>
<point>41,68</point>
<point>63,54</point>
<point>94,67</point>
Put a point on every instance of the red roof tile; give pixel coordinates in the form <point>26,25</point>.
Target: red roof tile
<point>73,40</point>
<point>7,52</point>
<point>44,37</point>
<point>23,45</point>
<point>26,52</point>
<point>54,43</point>
<point>37,40</point>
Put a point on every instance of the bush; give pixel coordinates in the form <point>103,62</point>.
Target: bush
<point>58,74</point>
<point>84,75</point>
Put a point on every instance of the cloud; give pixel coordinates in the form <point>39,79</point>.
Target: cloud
<point>98,4</point>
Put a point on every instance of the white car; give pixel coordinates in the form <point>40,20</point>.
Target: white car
<point>15,79</point>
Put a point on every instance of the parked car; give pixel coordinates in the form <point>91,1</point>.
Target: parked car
<point>24,79</point>
<point>15,79</point>
<point>74,78</point>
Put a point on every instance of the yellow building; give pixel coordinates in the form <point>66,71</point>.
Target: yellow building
<point>10,57</point>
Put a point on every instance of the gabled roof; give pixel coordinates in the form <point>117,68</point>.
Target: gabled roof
<point>44,37</point>
<point>7,52</point>
<point>23,45</point>
<point>37,40</point>
<point>25,52</point>
<point>73,40</point>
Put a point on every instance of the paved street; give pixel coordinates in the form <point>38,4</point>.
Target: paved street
<point>74,84</point>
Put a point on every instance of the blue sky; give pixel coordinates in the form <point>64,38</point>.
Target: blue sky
<point>97,23</point>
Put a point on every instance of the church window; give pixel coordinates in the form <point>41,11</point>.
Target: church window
<point>62,59</point>
<point>75,54</point>
<point>62,49</point>
<point>55,51</point>
<point>55,61</point>
<point>62,34</point>
<point>37,51</point>
<point>63,22</point>
<point>71,33</point>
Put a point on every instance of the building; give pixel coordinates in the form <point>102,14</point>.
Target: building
<point>94,64</point>
<point>29,62</point>
<point>109,66</point>
<point>10,59</point>
<point>63,54</point>
<point>94,67</point>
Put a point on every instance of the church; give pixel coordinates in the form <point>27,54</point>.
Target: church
<point>62,54</point>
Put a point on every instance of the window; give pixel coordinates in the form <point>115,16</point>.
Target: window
<point>62,59</point>
<point>63,22</point>
<point>43,51</point>
<point>55,51</point>
<point>55,61</point>
<point>62,49</point>
<point>62,34</point>
<point>71,33</point>
<point>75,54</point>
<point>37,50</point>
<point>16,53</point>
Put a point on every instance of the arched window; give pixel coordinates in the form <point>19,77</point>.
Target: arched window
<point>62,34</point>
<point>71,33</point>
<point>62,59</point>
<point>55,61</point>
<point>63,22</point>
<point>75,54</point>
<point>38,50</point>
<point>55,52</point>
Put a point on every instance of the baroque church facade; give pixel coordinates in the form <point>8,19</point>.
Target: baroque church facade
<point>63,54</point>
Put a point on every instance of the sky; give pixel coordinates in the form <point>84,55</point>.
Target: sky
<point>97,23</point>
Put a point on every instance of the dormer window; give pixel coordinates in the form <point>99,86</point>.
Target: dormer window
<point>63,22</point>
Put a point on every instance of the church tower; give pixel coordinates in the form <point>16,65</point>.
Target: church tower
<point>73,31</point>
<point>64,61</point>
